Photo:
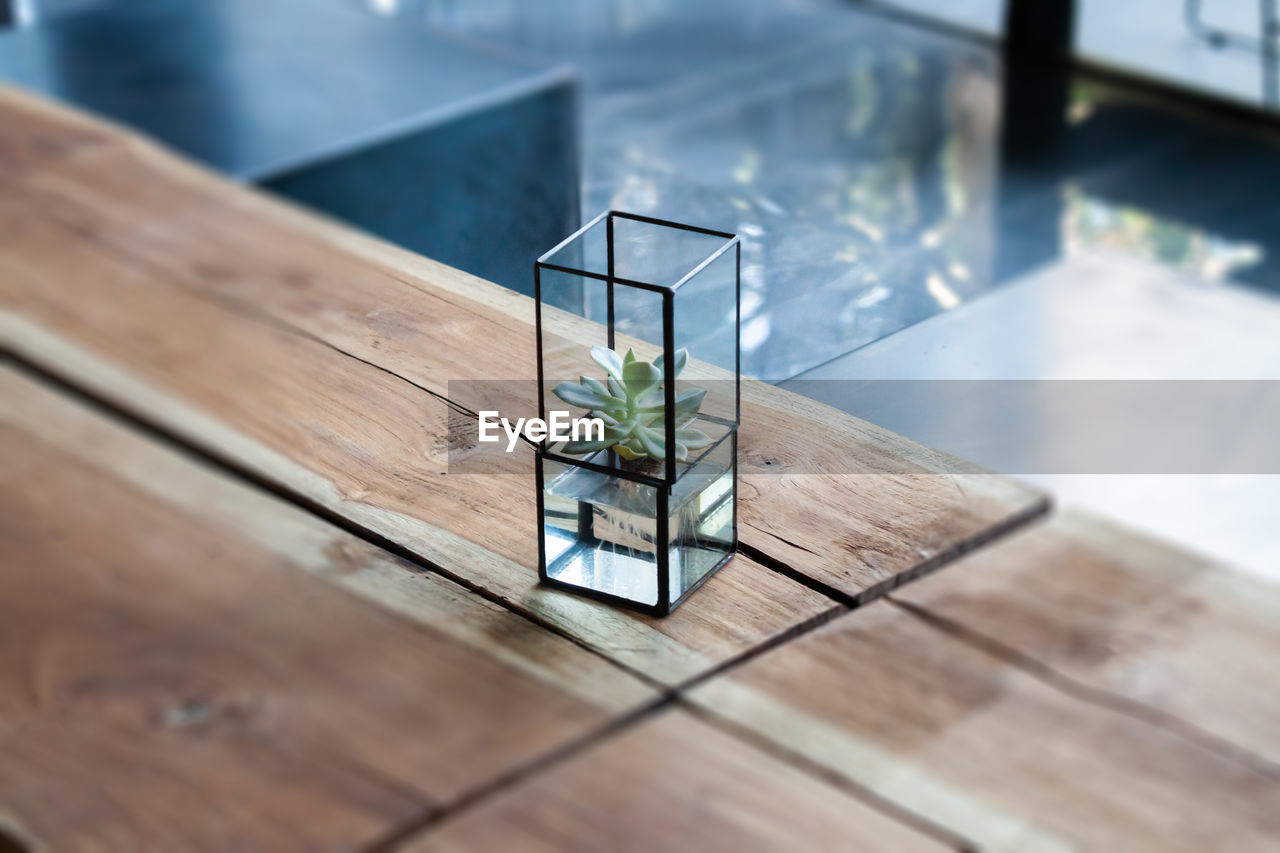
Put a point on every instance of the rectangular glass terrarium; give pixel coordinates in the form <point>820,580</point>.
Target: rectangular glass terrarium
<point>637,324</point>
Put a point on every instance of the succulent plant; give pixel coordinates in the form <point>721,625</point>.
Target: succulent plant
<point>631,403</point>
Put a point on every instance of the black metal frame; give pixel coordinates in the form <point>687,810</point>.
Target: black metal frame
<point>14,13</point>
<point>1268,14</point>
<point>1267,45</point>
<point>664,485</point>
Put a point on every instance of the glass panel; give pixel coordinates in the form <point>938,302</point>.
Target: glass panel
<point>1224,48</point>
<point>585,251</point>
<point>637,321</point>
<point>573,320</point>
<point>706,324</point>
<point>600,531</point>
<point>702,510</point>
<point>569,334</point>
<point>609,525</point>
<point>658,254</point>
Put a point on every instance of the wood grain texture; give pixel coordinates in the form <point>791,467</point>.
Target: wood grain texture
<point>345,435</point>
<point>952,733</point>
<point>176,677</point>
<point>840,500</point>
<point>35,133</point>
<point>1117,611</point>
<point>672,783</point>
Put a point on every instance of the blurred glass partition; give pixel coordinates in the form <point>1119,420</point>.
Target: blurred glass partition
<point>457,151</point>
<point>1227,49</point>
<point>978,16</point>
<point>1223,48</point>
<point>854,154</point>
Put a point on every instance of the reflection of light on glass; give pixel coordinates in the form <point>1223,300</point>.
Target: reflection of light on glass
<point>751,302</point>
<point>938,289</point>
<point>636,193</point>
<point>874,296</point>
<point>632,17</point>
<point>932,238</point>
<point>909,63</point>
<point>1078,112</point>
<point>755,332</point>
<point>954,174</point>
<point>864,99</point>
<point>384,7</point>
<point>748,167</point>
<point>959,271</point>
<point>768,205</point>
<point>858,223</point>
<point>1093,224</point>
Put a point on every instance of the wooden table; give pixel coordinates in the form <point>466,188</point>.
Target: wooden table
<point>245,605</point>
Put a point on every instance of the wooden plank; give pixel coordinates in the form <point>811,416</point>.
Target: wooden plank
<point>177,677</point>
<point>846,503</point>
<point>1004,759</point>
<point>359,442</point>
<point>35,133</point>
<point>672,783</point>
<point>1116,611</point>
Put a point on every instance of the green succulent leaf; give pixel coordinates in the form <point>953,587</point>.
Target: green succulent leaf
<point>682,358</point>
<point>599,387</point>
<point>577,447</point>
<point>630,450</point>
<point>650,400</point>
<point>582,396</point>
<point>687,402</point>
<point>617,433</point>
<point>640,376</point>
<point>652,441</point>
<point>608,361</point>
<point>691,438</point>
<point>630,401</point>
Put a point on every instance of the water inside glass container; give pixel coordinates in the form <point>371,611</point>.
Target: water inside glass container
<point>601,530</point>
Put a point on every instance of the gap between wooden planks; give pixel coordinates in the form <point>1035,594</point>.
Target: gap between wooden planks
<point>851,506</point>
<point>376,249</point>
<point>168,629</point>
<point>673,782</point>
<point>1074,685</point>
<point>1142,722</point>
<point>960,737</point>
<point>210,299</point>
<point>182,640</point>
<point>365,446</point>
<point>1122,619</point>
<point>997,793</point>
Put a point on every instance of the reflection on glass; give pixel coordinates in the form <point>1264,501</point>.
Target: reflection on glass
<point>601,530</point>
<point>1093,224</point>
